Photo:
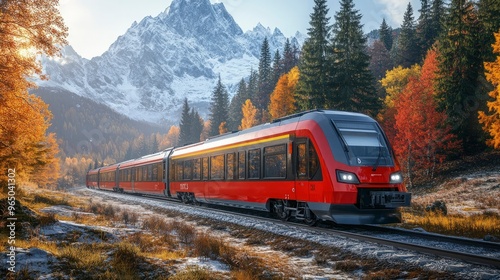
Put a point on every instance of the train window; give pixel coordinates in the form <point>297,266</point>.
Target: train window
<point>144,173</point>
<point>178,171</point>
<point>155,172</point>
<point>275,161</point>
<point>241,165</point>
<point>230,166</point>
<point>217,167</point>
<point>205,168</point>
<point>196,169</point>
<point>160,172</point>
<point>188,170</point>
<point>254,164</point>
<point>301,161</point>
<point>313,161</point>
<point>150,172</point>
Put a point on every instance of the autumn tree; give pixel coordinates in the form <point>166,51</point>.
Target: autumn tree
<point>249,115</point>
<point>27,28</point>
<point>394,83</point>
<point>423,138</point>
<point>491,119</point>
<point>283,97</point>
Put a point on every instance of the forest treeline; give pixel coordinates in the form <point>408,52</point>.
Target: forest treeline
<point>433,85</point>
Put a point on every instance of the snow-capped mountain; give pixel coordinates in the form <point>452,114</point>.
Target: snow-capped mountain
<point>147,72</point>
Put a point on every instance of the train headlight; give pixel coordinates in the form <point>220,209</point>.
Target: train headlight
<point>396,178</point>
<point>347,177</point>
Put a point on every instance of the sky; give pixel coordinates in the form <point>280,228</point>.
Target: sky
<point>95,24</point>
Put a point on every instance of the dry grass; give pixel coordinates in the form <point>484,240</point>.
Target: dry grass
<point>83,256</point>
<point>475,226</point>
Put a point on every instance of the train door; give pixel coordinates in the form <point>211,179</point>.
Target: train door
<point>301,169</point>
<point>166,168</point>
<point>132,179</point>
<point>307,171</point>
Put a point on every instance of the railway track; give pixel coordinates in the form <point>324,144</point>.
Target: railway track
<point>435,245</point>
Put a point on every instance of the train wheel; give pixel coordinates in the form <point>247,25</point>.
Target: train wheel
<point>281,213</point>
<point>310,219</point>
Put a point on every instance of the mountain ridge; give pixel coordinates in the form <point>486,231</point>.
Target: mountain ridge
<point>148,71</point>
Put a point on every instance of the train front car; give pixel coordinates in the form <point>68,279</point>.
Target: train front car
<point>366,181</point>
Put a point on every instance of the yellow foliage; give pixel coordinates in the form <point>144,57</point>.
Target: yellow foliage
<point>249,115</point>
<point>27,28</point>
<point>395,81</point>
<point>491,121</point>
<point>283,97</point>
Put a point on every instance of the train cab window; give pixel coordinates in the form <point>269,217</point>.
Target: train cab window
<point>241,165</point>
<point>254,164</point>
<point>230,166</point>
<point>196,169</point>
<point>217,167</point>
<point>204,166</point>
<point>275,161</point>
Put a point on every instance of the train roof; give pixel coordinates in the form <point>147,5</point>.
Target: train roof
<point>290,121</point>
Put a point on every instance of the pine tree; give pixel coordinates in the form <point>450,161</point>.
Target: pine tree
<point>459,66</point>
<point>424,33</point>
<point>219,108</point>
<point>277,68</point>
<point>438,15</point>
<point>489,14</point>
<point>314,64</point>
<point>491,119</point>
<point>407,48</point>
<point>237,101</point>
<point>265,85</point>
<point>353,82</point>
<point>289,59</point>
<point>197,125</point>
<point>385,32</point>
<point>185,124</point>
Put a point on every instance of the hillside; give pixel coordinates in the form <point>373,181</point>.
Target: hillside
<point>86,127</point>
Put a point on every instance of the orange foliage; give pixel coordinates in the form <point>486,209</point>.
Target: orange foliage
<point>422,138</point>
<point>491,121</point>
<point>282,99</point>
<point>27,28</point>
<point>249,115</point>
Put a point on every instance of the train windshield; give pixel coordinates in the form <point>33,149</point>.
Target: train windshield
<point>364,144</point>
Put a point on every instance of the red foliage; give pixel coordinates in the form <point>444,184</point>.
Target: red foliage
<point>422,137</point>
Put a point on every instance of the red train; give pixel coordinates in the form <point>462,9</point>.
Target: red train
<point>315,165</point>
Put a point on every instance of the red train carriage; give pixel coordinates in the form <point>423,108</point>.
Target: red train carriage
<point>144,175</point>
<point>92,178</point>
<point>323,165</point>
<point>318,165</point>
<point>107,177</point>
